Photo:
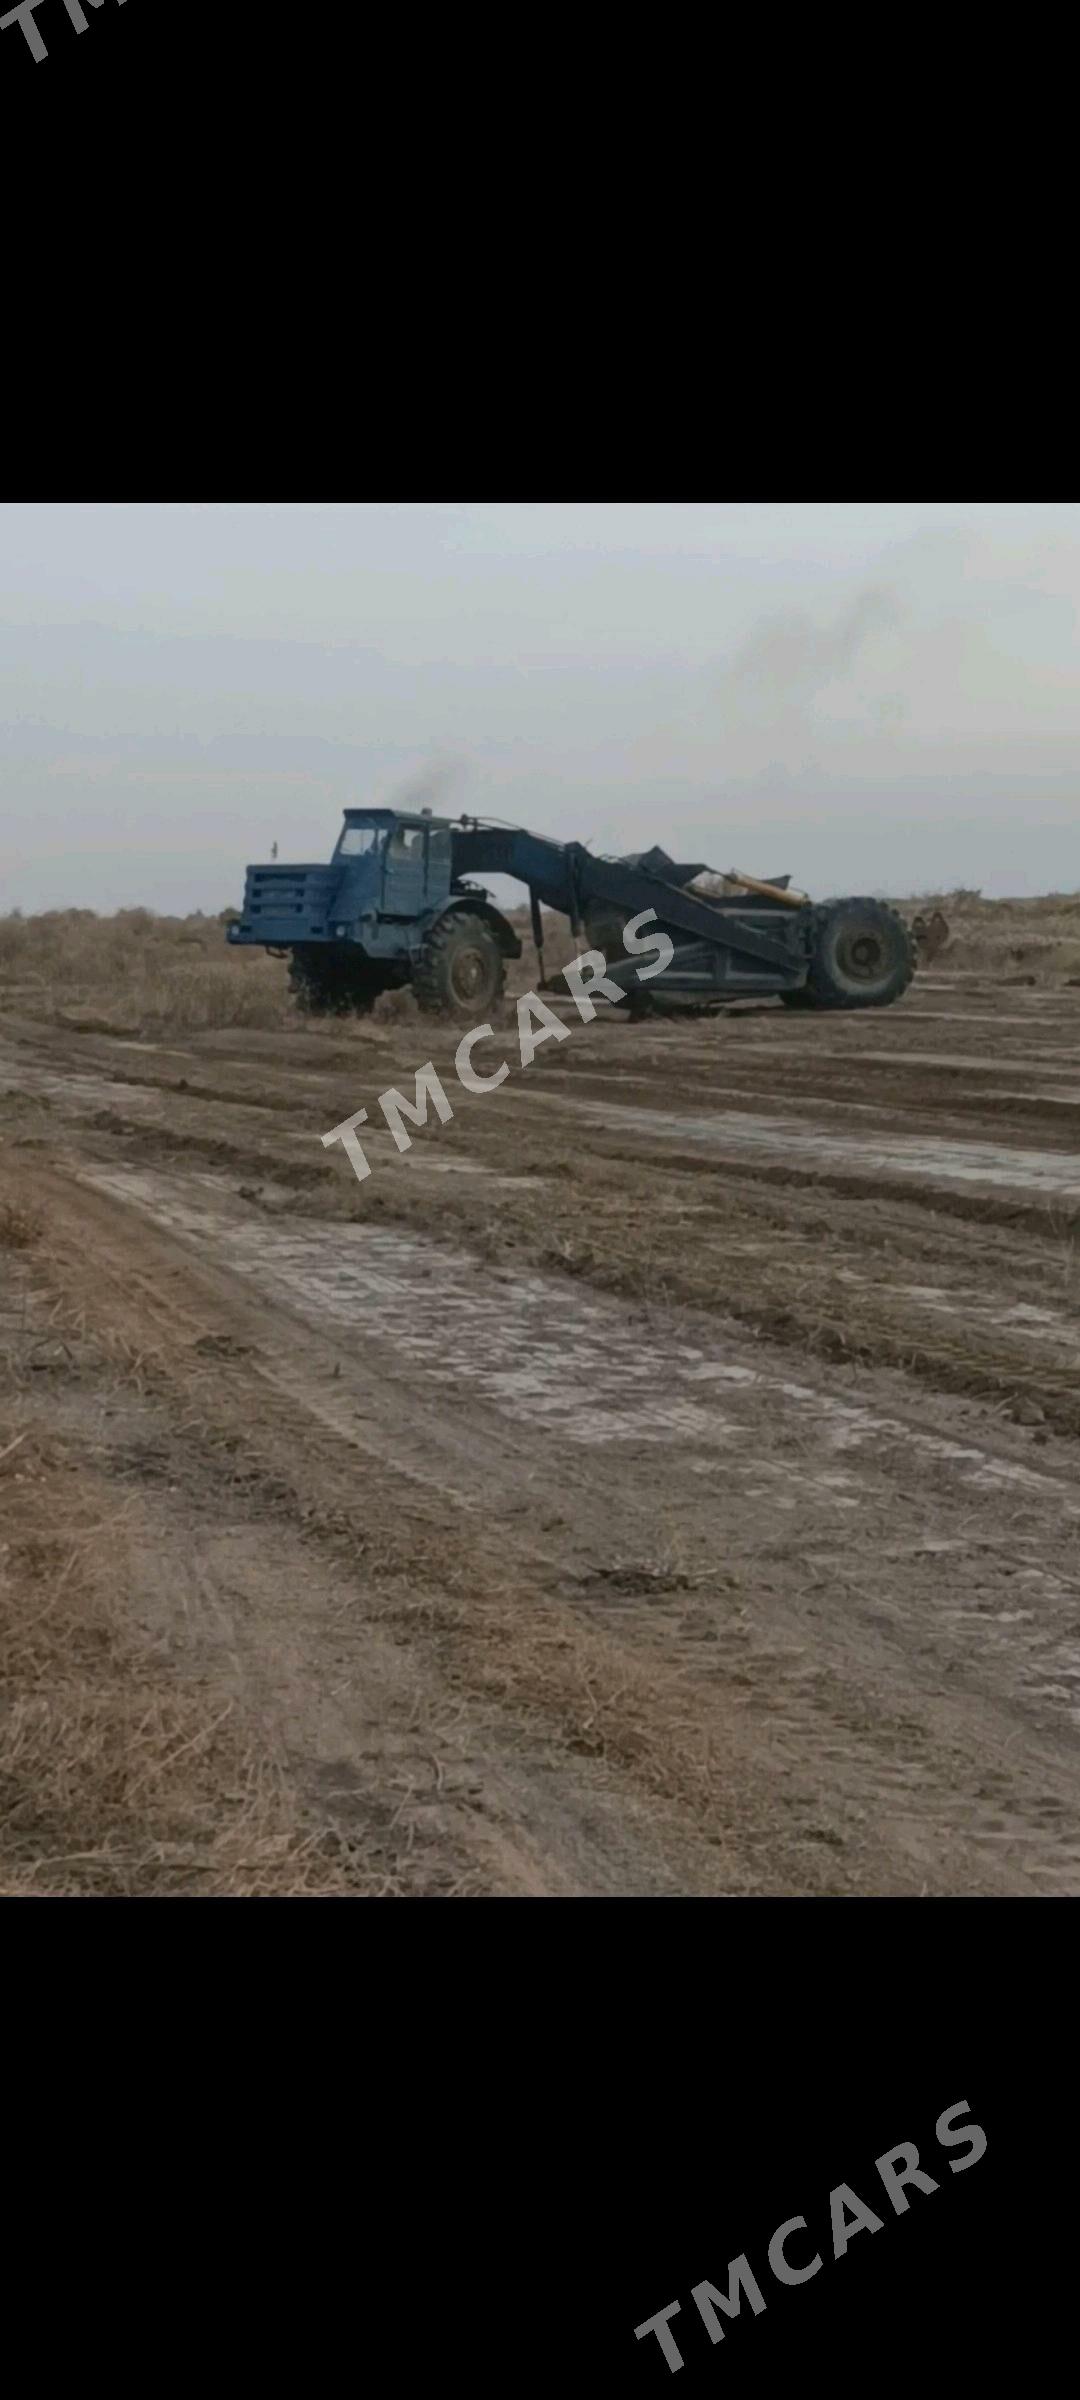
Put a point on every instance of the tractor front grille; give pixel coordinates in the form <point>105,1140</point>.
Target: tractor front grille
<point>283,903</point>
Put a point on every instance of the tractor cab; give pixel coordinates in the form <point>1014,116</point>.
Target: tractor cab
<point>390,872</point>
<point>394,863</point>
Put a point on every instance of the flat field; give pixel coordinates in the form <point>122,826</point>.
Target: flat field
<point>662,1477</point>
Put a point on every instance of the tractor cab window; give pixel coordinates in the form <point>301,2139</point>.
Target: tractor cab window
<point>358,840</point>
<point>405,843</point>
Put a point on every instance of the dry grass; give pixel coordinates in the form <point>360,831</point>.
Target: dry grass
<point>117,1773</point>
<point>113,1777</point>
<point>1006,938</point>
<point>136,970</point>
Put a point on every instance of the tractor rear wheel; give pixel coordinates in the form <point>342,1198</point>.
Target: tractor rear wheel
<point>861,955</point>
<point>461,970</point>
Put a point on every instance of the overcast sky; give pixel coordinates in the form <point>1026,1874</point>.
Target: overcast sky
<point>872,697</point>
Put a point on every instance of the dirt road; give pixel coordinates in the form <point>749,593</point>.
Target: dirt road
<point>662,1478</point>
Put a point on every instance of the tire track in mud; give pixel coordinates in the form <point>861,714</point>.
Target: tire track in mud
<point>1005,1346</point>
<point>735,1134</point>
<point>275,1576</point>
<point>988,1174</point>
<point>907,1629</point>
<point>1014,1348</point>
<point>540,1353</point>
<point>541,1371</point>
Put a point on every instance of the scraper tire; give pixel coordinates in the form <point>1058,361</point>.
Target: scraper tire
<point>861,955</point>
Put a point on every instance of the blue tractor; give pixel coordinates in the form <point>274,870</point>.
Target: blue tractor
<point>387,910</point>
<point>397,904</point>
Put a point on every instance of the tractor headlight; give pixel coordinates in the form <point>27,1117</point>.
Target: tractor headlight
<point>341,931</point>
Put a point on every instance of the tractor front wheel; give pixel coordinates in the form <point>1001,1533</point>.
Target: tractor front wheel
<point>328,982</point>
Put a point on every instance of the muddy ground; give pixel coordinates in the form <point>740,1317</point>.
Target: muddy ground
<point>662,1478</point>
